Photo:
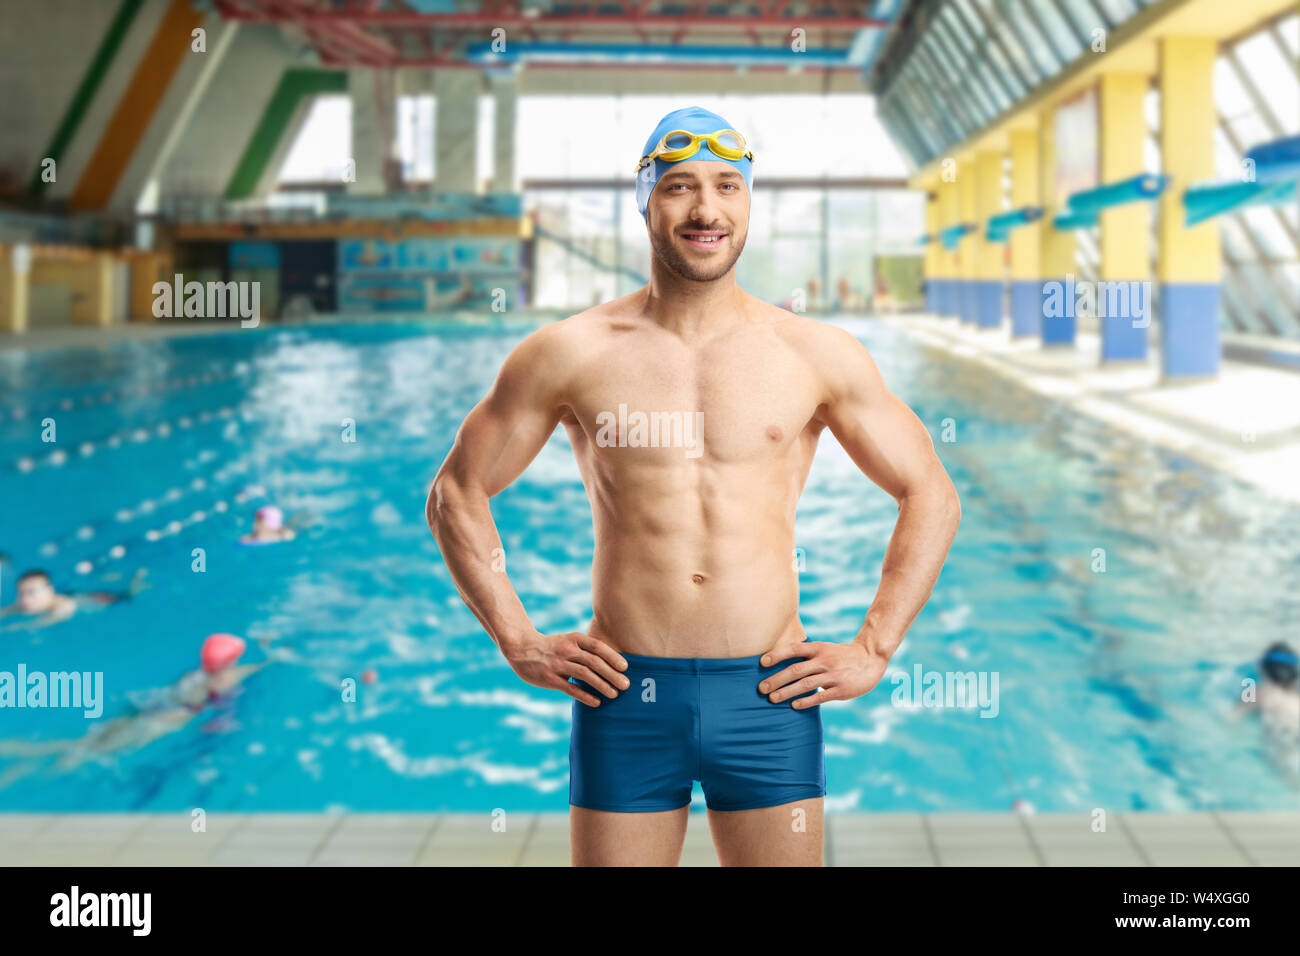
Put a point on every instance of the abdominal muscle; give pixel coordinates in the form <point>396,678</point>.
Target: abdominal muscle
<point>696,562</point>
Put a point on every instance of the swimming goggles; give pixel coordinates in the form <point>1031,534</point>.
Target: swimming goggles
<point>677,144</point>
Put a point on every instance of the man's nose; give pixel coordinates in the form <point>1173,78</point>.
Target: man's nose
<point>703,210</point>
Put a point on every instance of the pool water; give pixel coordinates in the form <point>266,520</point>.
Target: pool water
<point>1116,687</point>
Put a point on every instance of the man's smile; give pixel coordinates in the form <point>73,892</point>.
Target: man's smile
<point>704,238</point>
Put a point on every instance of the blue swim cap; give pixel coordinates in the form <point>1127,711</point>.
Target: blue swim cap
<point>693,119</point>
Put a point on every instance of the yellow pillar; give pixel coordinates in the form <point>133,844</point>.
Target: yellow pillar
<point>950,259</point>
<point>968,249</point>
<point>1191,262</point>
<point>1026,307</point>
<point>1124,296</point>
<point>1056,247</point>
<point>97,307</point>
<point>990,256</point>
<point>147,268</point>
<point>15,265</point>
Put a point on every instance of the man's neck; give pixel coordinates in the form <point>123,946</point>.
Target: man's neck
<point>689,308</point>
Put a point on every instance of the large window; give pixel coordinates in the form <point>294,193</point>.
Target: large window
<point>417,132</point>
<point>792,136</point>
<point>824,241</point>
<point>323,147</point>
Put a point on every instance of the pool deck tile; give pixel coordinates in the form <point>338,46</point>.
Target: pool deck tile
<point>1228,838</point>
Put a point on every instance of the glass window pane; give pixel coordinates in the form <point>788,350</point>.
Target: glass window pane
<point>323,148</point>
<point>1269,233</point>
<point>485,160</point>
<point>1290,31</point>
<point>1267,70</point>
<point>1229,95</point>
<point>415,137</point>
<point>1064,35</point>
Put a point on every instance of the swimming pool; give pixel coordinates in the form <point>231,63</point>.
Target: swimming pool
<point>1115,687</point>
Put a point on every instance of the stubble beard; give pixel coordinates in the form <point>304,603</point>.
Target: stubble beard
<point>679,265</point>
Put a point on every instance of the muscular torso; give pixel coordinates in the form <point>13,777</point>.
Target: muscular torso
<point>694,553</point>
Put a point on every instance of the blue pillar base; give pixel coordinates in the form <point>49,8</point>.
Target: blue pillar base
<point>1056,310</point>
<point>1026,310</point>
<point>1190,346</point>
<point>1120,341</point>
<point>988,303</point>
<point>1124,335</point>
<point>969,301</point>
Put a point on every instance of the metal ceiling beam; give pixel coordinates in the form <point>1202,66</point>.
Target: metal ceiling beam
<point>632,19</point>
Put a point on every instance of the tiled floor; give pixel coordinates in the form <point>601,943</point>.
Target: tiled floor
<point>1245,421</point>
<point>884,839</point>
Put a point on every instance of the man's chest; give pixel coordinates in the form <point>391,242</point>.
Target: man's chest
<point>746,405</point>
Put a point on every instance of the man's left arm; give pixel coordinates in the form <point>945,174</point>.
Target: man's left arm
<point>890,445</point>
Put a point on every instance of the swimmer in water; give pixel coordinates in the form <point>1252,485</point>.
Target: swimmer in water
<point>1278,705</point>
<point>41,605</point>
<point>158,713</point>
<point>268,527</point>
<point>38,600</point>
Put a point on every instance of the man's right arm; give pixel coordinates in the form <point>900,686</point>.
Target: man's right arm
<point>495,443</point>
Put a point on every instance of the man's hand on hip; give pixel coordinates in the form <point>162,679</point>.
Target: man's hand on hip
<point>841,671</point>
<point>550,660</point>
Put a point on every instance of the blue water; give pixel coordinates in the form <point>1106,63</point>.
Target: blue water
<point>1115,688</point>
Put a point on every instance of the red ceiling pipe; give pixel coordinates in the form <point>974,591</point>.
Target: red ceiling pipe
<point>399,18</point>
<point>352,39</point>
<point>426,63</point>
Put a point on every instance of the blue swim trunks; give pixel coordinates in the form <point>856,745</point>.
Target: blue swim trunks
<point>694,718</point>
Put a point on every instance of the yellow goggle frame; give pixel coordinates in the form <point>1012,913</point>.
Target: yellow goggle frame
<point>671,152</point>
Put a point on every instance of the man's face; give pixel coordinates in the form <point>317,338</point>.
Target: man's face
<point>35,595</point>
<point>698,219</point>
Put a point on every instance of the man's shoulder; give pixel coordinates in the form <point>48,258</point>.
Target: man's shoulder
<point>606,315</point>
<point>811,337</point>
<point>583,331</point>
<point>560,349</point>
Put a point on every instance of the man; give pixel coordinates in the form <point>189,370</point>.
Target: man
<point>40,605</point>
<point>695,665</point>
<point>38,599</point>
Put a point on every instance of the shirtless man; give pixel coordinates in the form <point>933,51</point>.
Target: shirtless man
<point>694,666</point>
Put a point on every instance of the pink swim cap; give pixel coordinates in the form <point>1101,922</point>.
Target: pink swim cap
<point>271,516</point>
<point>220,651</point>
